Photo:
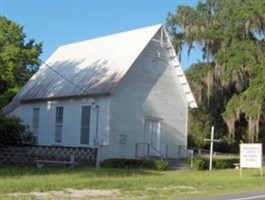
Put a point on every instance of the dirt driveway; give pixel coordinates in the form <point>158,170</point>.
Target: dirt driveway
<point>67,194</point>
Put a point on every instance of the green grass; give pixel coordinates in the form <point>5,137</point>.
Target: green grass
<point>131,183</point>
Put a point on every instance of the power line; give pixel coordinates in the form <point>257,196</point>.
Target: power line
<point>49,67</point>
<point>62,76</point>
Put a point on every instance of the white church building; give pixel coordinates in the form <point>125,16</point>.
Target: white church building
<point>124,94</point>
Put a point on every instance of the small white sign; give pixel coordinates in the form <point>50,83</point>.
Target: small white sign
<point>123,140</point>
<point>250,155</point>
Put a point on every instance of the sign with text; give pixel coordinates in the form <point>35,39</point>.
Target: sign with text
<point>250,155</point>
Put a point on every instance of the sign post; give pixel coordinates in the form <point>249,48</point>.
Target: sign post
<point>211,147</point>
<point>251,156</point>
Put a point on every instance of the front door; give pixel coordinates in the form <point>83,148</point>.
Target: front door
<point>152,136</point>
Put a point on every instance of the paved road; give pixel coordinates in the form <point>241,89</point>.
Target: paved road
<point>259,195</point>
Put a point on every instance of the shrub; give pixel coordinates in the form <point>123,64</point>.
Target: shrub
<point>14,132</point>
<point>134,163</point>
<point>200,164</point>
<point>223,163</point>
<point>218,163</point>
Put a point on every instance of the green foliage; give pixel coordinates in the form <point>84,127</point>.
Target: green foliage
<point>14,132</point>
<point>210,101</point>
<point>230,85</point>
<point>200,164</point>
<point>18,59</point>
<point>134,163</point>
<point>227,145</point>
<point>199,127</point>
<point>218,163</point>
<point>7,96</point>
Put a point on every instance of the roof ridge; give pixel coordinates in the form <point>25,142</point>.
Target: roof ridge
<point>112,35</point>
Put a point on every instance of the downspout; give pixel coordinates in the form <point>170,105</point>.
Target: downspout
<point>96,140</point>
<point>97,122</point>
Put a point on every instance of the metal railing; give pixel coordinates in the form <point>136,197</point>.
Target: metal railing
<point>194,153</point>
<point>203,153</point>
<point>184,152</point>
<point>146,150</point>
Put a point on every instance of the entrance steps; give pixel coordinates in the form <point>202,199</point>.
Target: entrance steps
<point>174,163</point>
<point>177,164</point>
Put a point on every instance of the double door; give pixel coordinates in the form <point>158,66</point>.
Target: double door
<point>152,136</point>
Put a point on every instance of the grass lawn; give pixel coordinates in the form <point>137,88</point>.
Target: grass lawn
<point>128,184</point>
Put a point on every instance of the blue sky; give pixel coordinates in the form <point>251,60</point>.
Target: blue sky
<point>58,22</point>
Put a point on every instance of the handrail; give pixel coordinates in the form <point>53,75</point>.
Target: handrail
<point>190,154</point>
<point>198,152</point>
<point>157,151</point>
<point>149,148</point>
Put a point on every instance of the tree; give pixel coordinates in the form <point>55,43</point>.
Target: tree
<point>14,132</point>
<point>231,35</point>
<point>18,59</point>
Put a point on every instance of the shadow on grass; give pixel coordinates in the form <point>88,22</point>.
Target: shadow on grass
<point>11,171</point>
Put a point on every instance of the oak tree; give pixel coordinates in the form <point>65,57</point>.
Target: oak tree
<point>19,59</point>
<point>230,84</point>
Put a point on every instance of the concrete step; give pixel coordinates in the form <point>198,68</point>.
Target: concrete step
<point>176,164</point>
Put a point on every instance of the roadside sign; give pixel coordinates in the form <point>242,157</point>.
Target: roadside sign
<point>251,156</point>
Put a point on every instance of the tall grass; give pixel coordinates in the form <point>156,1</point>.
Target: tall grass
<point>131,183</point>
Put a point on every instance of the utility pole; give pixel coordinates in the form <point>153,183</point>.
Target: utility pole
<point>212,140</point>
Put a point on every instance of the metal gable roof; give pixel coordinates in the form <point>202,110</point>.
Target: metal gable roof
<point>92,67</point>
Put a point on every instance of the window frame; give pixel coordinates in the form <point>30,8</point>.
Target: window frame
<point>59,115</point>
<point>85,125</point>
<point>35,123</point>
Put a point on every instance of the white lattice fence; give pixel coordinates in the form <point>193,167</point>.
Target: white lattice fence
<point>26,155</point>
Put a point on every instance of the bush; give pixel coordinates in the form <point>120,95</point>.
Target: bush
<point>134,163</point>
<point>223,163</point>
<point>14,132</point>
<point>218,163</point>
<point>200,164</point>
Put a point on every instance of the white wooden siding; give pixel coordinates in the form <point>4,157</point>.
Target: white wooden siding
<point>148,91</point>
<point>71,121</point>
